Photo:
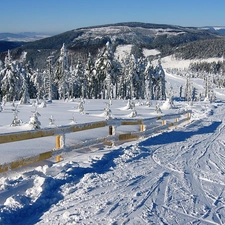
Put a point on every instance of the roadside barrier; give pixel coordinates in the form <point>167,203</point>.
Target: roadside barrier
<point>146,127</point>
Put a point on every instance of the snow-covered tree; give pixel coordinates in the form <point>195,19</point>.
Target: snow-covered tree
<point>11,82</point>
<point>132,77</point>
<point>38,80</point>
<point>134,112</point>
<point>25,97</point>
<point>107,111</point>
<point>159,82</point>
<point>16,121</point>
<point>48,82</point>
<point>81,106</point>
<point>62,73</point>
<point>188,89</point>
<point>88,74</point>
<point>103,67</point>
<point>34,121</point>
<point>148,80</point>
<point>80,90</point>
<point>51,120</point>
<point>209,90</point>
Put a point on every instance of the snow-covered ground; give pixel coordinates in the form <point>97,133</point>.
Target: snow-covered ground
<point>174,177</point>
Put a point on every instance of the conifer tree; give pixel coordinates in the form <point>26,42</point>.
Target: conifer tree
<point>188,89</point>
<point>25,97</point>
<point>88,74</point>
<point>48,82</point>
<point>38,81</point>
<point>11,79</point>
<point>62,73</point>
<point>148,80</point>
<point>103,66</point>
<point>159,82</point>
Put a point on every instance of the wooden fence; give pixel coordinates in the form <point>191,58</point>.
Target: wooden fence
<point>147,126</point>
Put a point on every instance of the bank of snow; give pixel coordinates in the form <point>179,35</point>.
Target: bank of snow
<point>175,177</point>
<point>171,62</point>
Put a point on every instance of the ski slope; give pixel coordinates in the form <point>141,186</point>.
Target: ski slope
<point>175,177</point>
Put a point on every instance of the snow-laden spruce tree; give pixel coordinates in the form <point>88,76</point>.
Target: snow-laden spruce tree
<point>38,81</point>
<point>188,89</point>
<point>25,97</point>
<point>48,78</point>
<point>103,66</point>
<point>140,81</point>
<point>88,74</point>
<point>62,73</point>
<point>79,80</point>
<point>148,81</point>
<point>159,82</point>
<point>131,77</point>
<point>123,81</point>
<point>11,79</point>
<point>209,87</point>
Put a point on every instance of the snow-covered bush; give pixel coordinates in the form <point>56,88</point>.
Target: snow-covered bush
<point>51,120</point>
<point>43,104</point>
<point>157,108</point>
<point>73,121</point>
<point>129,104</point>
<point>34,122</point>
<point>16,121</point>
<point>107,111</point>
<point>134,112</point>
<point>81,106</point>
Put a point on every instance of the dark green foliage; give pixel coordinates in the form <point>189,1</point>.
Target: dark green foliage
<point>214,67</point>
<point>202,49</point>
<point>8,45</point>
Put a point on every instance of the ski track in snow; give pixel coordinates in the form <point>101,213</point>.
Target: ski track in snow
<point>176,177</point>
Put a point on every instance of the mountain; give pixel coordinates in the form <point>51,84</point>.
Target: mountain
<point>80,42</point>
<point>22,37</point>
<point>10,41</point>
<point>217,29</point>
<point>8,45</point>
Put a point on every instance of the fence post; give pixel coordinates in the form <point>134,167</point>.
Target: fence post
<point>57,144</point>
<point>163,122</point>
<point>142,127</point>
<point>58,158</point>
<point>188,116</point>
<point>112,130</point>
<point>60,141</point>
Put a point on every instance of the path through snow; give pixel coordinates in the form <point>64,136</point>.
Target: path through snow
<point>176,177</point>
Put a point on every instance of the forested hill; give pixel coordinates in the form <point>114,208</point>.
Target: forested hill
<point>82,41</point>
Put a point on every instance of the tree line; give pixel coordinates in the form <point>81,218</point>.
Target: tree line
<point>104,76</point>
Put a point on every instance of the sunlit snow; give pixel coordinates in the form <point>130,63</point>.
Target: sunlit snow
<point>173,177</point>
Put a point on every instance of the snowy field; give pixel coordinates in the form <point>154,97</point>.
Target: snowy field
<point>174,177</point>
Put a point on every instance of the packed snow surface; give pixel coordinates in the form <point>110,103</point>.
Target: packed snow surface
<point>173,177</point>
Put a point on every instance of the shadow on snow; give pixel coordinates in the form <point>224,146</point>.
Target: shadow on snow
<point>179,136</point>
<point>50,195</point>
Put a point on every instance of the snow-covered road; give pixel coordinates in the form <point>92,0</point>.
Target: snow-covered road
<point>176,177</point>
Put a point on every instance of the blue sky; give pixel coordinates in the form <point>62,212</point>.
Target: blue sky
<point>62,15</point>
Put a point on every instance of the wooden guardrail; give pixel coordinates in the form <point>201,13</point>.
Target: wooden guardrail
<point>60,132</point>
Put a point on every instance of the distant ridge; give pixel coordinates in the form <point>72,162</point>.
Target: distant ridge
<point>82,41</point>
